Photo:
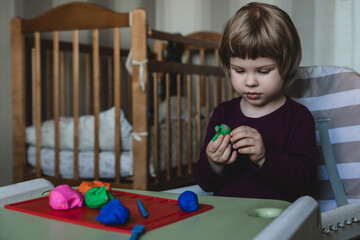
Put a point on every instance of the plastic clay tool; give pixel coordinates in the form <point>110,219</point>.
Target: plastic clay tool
<point>142,208</point>
<point>137,229</point>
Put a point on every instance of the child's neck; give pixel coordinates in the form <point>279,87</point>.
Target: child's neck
<point>253,111</point>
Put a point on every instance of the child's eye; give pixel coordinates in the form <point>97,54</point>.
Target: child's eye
<point>238,70</point>
<point>264,71</point>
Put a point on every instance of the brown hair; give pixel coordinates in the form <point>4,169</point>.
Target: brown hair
<point>262,30</point>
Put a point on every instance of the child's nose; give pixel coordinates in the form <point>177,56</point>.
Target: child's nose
<point>251,80</point>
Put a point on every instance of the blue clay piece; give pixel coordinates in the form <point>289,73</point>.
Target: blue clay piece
<point>188,201</point>
<point>113,213</point>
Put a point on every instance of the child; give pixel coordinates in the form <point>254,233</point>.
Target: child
<point>273,150</point>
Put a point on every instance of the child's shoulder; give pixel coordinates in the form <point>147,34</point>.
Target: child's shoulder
<point>296,107</point>
<point>234,102</point>
<point>230,103</point>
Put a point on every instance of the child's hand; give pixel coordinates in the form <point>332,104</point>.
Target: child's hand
<point>219,153</point>
<point>249,141</point>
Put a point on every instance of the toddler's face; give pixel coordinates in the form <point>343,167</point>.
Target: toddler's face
<point>257,81</point>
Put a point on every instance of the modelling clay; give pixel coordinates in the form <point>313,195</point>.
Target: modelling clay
<point>63,197</point>
<point>137,229</point>
<point>223,129</point>
<point>144,213</point>
<point>188,201</point>
<point>113,213</point>
<point>85,185</point>
<point>97,197</point>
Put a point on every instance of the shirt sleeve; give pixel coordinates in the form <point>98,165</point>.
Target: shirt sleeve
<point>204,175</point>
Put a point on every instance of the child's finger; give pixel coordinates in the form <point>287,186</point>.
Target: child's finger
<point>224,144</point>
<point>244,142</point>
<point>243,131</point>
<point>240,129</point>
<point>214,145</point>
<point>247,137</point>
<point>232,158</point>
<point>246,150</point>
<point>226,154</point>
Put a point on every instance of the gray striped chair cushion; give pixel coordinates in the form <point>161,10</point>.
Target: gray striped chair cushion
<point>334,93</point>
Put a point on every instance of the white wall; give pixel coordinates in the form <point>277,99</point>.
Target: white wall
<point>6,13</point>
<point>329,29</point>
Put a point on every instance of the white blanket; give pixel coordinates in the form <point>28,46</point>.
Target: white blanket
<point>86,132</point>
<point>86,163</point>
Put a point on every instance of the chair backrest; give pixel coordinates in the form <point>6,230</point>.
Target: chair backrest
<point>333,93</point>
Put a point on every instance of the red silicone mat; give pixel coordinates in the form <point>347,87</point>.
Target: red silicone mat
<point>161,212</point>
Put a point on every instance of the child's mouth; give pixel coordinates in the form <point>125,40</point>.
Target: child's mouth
<point>253,95</point>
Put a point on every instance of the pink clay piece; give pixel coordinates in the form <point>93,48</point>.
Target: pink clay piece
<point>63,197</point>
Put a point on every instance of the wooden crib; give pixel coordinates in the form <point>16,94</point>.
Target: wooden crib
<point>44,90</point>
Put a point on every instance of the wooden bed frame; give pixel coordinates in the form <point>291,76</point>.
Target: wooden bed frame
<point>145,75</point>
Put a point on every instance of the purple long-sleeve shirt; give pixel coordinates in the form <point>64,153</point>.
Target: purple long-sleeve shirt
<point>289,170</point>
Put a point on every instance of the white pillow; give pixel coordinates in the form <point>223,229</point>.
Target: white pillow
<point>86,132</point>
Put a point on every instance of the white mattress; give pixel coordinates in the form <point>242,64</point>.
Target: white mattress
<point>86,163</point>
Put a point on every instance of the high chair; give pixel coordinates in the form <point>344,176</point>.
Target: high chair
<point>332,94</point>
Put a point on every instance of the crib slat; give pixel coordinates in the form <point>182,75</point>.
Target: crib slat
<point>216,91</point>
<point>156,128</point>
<point>76,101</point>
<point>129,97</point>
<point>198,110</point>
<point>33,85</point>
<point>189,125</point>
<point>168,129</point>
<point>187,55</point>
<point>217,59</point>
<point>202,63</point>
<point>117,100</point>
<point>37,110</point>
<point>63,83</point>
<point>216,78</point>
<point>49,96</point>
<point>110,82</point>
<point>207,100</point>
<point>179,124</point>
<point>88,83</point>
<point>56,102</point>
<point>96,76</point>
